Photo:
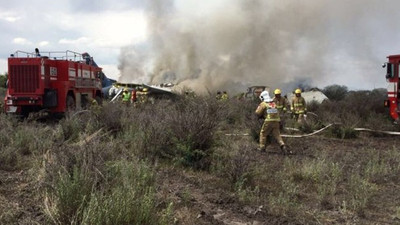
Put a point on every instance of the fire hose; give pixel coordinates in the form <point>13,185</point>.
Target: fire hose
<point>322,129</point>
<point>307,135</point>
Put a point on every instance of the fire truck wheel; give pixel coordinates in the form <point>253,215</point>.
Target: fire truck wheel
<point>70,103</point>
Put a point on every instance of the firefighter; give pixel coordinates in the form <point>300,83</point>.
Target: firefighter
<point>133,96</point>
<point>298,107</point>
<point>126,97</point>
<point>268,109</point>
<point>94,105</point>
<point>143,96</point>
<point>281,105</point>
<point>218,96</point>
<point>224,96</point>
<point>94,102</point>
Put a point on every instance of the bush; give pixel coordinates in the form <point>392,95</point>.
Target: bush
<point>343,132</point>
<point>335,92</point>
<point>129,200</point>
<point>20,140</point>
<point>193,125</point>
<point>3,81</point>
<point>9,159</point>
<point>183,131</point>
<point>234,165</point>
<point>112,116</point>
<point>284,200</point>
<point>90,184</point>
<point>360,191</point>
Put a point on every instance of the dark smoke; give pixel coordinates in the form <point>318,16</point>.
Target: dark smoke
<point>258,42</point>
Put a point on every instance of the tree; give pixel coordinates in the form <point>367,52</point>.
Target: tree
<point>335,92</point>
<point>3,80</point>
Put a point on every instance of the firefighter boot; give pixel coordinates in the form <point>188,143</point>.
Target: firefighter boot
<point>261,149</point>
<point>285,150</point>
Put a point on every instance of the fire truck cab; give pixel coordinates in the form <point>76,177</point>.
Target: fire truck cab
<point>393,79</point>
<point>52,81</point>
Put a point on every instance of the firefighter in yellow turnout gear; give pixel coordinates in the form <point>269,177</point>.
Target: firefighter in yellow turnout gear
<point>268,109</point>
<point>143,96</point>
<point>281,105</point>
<point>298,107</point>
<point>224,96</point>
<point>126,96</point>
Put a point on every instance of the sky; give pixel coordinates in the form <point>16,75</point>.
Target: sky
<point>214,44</point>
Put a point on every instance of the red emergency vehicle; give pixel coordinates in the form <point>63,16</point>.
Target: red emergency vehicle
<point>51,81</point>
<point>392,77</point>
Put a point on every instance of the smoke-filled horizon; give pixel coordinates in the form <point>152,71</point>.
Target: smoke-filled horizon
<point>232,44</point>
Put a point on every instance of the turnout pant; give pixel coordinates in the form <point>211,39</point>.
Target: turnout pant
<point>270,127</point>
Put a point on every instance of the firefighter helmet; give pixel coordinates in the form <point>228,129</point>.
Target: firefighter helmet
<point>144,89</point>
<point>125,89</point>
<point>297,91</point>
<point>277,91</point>
<point>264,96</point>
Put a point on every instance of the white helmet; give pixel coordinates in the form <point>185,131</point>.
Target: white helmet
<point>264,96</point>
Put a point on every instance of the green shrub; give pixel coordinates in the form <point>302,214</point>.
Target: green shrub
<point>89,186</point>
<point>379,166</point>
<point>234,165</point>
<point>378,121</point>
<point>71,128</point>
<point>283,201</point>
<point>359,192</point>
<point>343,132</point>
<point>246,194</point>
<point>129,200</point>
<point>9,159</point>
<point>72,192</point>
<point>182,131</point>
<point>112,116</point>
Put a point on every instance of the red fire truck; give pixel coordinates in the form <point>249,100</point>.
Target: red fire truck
<point>393,79</point>
<point>55,82</point>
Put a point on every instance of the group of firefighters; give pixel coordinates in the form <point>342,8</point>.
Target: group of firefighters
<point>134,96</point>
<point>273,111</point>
<point>222,96</point>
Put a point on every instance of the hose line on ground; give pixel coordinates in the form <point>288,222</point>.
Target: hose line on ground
<point>324,128</point>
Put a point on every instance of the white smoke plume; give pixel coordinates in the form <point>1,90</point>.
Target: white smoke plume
<point>239,43</point>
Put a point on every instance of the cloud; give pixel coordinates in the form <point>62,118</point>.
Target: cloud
<point>81,40</point>
<point>21,41</point>
<point>9,17</point>
<point>43,43</point>
<point>3,66</point>
<point>109,29</point>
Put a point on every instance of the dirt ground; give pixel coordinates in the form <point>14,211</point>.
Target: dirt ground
<point>201,198</point>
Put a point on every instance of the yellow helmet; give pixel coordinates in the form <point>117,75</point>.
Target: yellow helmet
<point>277,91</point>
<point>144,89</point>
<point>125,89</point>
<point>297,91</point>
